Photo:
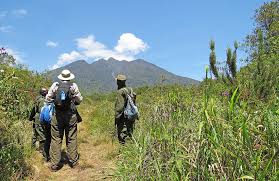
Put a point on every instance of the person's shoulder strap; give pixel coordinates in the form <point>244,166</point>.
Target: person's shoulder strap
<point>130,91</point>
<point>126,91</point>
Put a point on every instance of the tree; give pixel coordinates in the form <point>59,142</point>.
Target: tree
<point>267,22</point>
<point>5,58</point>
<point>262,46</point>
<point>227,71</point>
<point>231,67</point>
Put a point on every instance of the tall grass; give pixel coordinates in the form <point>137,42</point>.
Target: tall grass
<point>102,118</point>
<point>199,133</point>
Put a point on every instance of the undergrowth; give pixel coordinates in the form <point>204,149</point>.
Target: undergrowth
<point>18,87</point>
<point>197,133</point>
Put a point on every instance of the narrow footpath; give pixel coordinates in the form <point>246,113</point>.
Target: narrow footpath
<point>96,157</point>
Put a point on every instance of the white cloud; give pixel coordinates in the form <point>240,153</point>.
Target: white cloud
<point>51,44</point>
<point>127,48</point>
<point>89,43</point>
<point>129,43</point>
<point>6,29</point>
<point>91,48</point>
<point>17,55</point>
<point>19,12</point>
<point>66,58</point>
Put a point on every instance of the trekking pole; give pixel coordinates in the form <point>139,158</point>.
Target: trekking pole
<point>113,75</point>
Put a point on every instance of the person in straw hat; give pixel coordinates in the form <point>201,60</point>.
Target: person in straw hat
<point>65,95</point>
<point>124,127</point>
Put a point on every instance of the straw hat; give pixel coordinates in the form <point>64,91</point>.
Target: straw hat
<point>66,75</point>
<point>121,77</point>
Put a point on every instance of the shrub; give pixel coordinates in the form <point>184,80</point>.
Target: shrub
<point>18,87</point>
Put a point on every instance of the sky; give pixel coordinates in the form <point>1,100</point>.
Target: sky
<point>172,34</point>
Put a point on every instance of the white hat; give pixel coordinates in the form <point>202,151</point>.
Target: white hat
<point>66,75</point>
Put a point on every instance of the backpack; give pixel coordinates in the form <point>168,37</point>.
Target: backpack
<point>63,98</point>
<point>131,111</point>
<point>46,113</point>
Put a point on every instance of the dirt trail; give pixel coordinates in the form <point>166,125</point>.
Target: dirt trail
<point>96,157</point>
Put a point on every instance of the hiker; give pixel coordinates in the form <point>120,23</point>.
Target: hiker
<point>121,121</point>
<point>65,96</point>
<point>41,131</point>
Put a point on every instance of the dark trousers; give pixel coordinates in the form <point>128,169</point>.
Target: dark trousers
<point>42,133</point>
<point>38,135</point>
<point>47,141</point>
<point>121,124</point>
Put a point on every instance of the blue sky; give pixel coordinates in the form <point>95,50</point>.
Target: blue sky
<point>171,34</point>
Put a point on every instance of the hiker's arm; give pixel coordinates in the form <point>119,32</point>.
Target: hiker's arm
<point>135,100</point>
<point>119,105</point>
<point>32,114</point>
<point>51,92</point>
<point>76,94</point>
<point>135,97</point>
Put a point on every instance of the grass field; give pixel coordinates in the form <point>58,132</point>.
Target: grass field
<point>197,133</point>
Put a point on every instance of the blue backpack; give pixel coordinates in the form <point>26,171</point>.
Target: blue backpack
<point>47,113</point>
<point>131,111</point>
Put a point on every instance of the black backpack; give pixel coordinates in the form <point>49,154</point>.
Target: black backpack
<point>63,98</point>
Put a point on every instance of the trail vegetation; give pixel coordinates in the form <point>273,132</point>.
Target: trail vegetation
<point>18,87</point>
<point>225,128</point>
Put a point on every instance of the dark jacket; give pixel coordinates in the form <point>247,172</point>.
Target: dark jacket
<point>121,100</point>
<point>39,103</point>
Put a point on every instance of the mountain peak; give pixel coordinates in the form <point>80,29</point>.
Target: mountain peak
<point>98,75</point>
<point>79,62</point>
<point>112,59</point>
<point>141,61</point>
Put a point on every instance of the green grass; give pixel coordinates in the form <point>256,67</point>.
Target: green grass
<point>197,133</point>
<point>18,88</point>
<point>102,120</point>
<point>184,133</point>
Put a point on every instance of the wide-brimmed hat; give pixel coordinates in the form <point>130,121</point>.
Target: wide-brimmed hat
<point>66,75</point>
<point>121,77</point>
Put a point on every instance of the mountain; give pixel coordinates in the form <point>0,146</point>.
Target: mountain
<point>98,76</point>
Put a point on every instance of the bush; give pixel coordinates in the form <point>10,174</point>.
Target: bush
<point>18,87</point>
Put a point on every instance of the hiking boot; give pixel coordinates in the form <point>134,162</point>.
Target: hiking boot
<point>55,168</point>
<point>73,164</point>
<point>121,142</point>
